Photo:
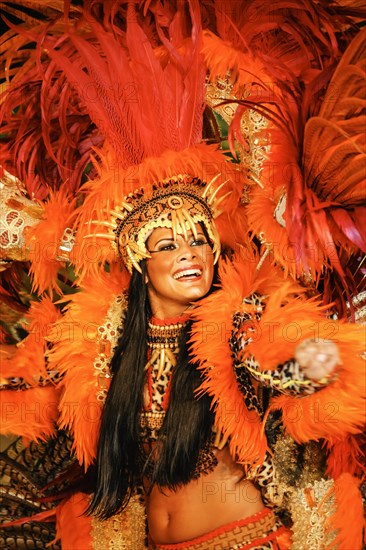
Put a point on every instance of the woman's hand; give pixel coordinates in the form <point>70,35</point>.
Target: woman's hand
<point>317,358</point>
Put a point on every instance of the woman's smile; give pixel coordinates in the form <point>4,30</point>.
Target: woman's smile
<point>191,273</point>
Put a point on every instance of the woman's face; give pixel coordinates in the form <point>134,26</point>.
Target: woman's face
<point>179,271</point>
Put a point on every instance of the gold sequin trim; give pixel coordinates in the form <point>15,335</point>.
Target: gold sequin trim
<point>255,151</point>
<point>17,213</point>
<point>310,509</point>
<point>124,531</point>
<point>108,334</point>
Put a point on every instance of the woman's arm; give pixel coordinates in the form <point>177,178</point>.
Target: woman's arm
<point>312,366</point>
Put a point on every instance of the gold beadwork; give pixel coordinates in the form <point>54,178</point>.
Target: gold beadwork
<point>311,508</point>
<point>152,420</point>
<point>163,341</point>
<point>107,339</point>
<point>125,530</point>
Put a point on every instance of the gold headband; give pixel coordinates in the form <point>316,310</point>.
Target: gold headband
<point>178,203</point>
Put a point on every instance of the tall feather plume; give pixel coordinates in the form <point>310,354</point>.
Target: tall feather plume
<point>323,221</point>
<point>135,97</point>
<point>148,106</point>
<point>331,209</point>
<point>95,85</point>
<point>334,155</point>
<point>48,135</point>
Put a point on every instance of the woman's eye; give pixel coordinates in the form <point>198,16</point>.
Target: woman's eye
<point>170,246</point>
<point>199,242</point>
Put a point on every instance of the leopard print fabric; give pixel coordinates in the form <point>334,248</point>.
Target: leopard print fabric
<point>246,387</point>
<point>265,476</point>
<point>160,389</point>
<point>287,378</point>
<point>156,393</point>
<point>237,344</point>
<point>17,383</point>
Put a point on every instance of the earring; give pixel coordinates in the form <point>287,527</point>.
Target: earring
<point>146,279</point>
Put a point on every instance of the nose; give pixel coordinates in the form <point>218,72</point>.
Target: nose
<point>186,252</point>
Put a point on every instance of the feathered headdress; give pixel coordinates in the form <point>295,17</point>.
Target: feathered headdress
<point>153,169</point>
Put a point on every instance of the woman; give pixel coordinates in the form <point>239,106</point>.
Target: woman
<point>156,435</point>
<point>182,431</point>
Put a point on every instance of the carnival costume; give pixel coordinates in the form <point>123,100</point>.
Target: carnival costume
<point>127,117</point>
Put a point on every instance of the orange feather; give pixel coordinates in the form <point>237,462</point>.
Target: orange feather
<point>76,344</point>
<point>44,240</point>
<point>348,519</point>
<point>346,455</point>
<point>27,360</point>
<point>210,334</point>
<point>30,414</point>
<point>73,527</point>
<point>288,318</point>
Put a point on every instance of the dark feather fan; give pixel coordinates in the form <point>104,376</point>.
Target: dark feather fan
<point>24,471</point>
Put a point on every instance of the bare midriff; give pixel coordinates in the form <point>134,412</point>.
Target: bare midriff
<point>213,500</point>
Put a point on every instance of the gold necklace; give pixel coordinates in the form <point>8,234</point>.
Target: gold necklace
<point>163,341</point>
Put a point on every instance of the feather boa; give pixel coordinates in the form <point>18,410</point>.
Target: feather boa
<point>289,317</point>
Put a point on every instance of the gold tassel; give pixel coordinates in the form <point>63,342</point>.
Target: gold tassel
<point>212,198</point>
<point>132,258</point>
<point>182,224</point>
<point>161,363</point>
<point>209,185</point>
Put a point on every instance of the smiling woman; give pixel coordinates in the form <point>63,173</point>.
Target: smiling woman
<point>167,441</point>
<point>164,438</point>
<point>194,376</point>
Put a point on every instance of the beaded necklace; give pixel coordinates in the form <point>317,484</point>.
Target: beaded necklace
<point>163,342</point>
<point>163,345</point>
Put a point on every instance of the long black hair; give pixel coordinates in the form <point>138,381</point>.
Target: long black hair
<point>119,448</point>
<point>187,426</point>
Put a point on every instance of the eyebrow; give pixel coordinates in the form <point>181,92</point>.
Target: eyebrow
<point>164,239</point>
<point>171,238</point>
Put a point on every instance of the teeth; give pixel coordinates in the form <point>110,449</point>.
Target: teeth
<point>188,272</point>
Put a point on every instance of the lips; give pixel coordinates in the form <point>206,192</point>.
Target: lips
<point>188,273</point>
